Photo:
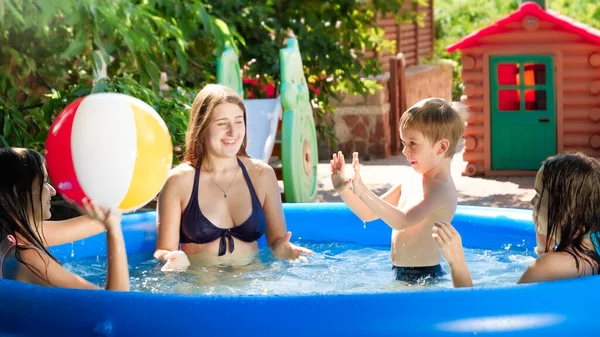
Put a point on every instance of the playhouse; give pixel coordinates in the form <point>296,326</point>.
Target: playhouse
<point>532,85</point>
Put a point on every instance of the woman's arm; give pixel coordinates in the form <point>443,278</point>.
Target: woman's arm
<point>168,217</point>
<point>278,238</point>
<point>59,232</point>
<point>40,269</point>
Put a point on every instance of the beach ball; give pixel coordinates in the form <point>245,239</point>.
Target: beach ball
<point>111,148</point>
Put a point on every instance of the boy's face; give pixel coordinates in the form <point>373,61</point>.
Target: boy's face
<point>422,154</point>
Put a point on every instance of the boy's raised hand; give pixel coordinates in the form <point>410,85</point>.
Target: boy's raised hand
<point>338,177</point>
<point>356,179</point>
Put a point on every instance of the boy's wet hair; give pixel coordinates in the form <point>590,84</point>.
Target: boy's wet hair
<point>572,181</point>
<point>436,119</point>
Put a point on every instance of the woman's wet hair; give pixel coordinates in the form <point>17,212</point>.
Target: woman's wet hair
<point>20,170</point>
<point>572,181</point>
<point>200,117</point>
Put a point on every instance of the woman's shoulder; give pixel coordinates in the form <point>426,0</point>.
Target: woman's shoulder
<point>257,167</point>
<point>181,174</point>
<point>551,266</point>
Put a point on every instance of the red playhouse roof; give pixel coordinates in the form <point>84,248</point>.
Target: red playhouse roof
<point>529,9</point>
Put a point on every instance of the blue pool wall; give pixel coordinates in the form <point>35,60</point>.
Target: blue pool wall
<point>544,309</point>
<point>480,227</point>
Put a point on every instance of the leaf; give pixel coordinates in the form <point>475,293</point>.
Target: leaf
<point>4,142</point>
<point>153,72</point>
<point>205,17</point>
<point>7,127</point>
<point>100,86</point>
<point>30,63</point>
<point>1,11</point>
<point>97,63</point>
<point>182,60</point>
<point>15,13</point>
<point>77,46</point>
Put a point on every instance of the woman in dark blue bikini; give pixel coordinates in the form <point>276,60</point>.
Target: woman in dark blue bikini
<point>219,201</point>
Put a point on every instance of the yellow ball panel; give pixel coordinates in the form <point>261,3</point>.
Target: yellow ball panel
<point>153,161</point>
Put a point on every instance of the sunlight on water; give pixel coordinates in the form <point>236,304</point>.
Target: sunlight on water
<point>334,268</point>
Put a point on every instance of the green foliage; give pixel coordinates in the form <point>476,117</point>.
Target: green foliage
<point>458,18</point>
<point>331,35</point>
<point>50,51</point>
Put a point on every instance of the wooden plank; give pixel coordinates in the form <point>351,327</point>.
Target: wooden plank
<point>424,38</point>
<point>408,44</point>
<point>581,74</point>
<point>427,44</point>
<point>276,149</point>
<point>411,61</point>
<point>577,139</point>
<point>530,37</point>
<point>278,172</point>
<point>578,114</point>
<point>582,87</point>
<point>407,27</point>
<point>394,105</point>
<point>537,48</point>
<point>402,103</point>
<point>417,41</point>
<point>387,21</point>
<point>390,35</point>
<point>580,127</point>
<point>581,100</point>
<point>472,76</point>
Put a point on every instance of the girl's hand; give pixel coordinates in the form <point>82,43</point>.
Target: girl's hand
<point>338,178</point>
<point>449,242</point>
<point>110,218</point>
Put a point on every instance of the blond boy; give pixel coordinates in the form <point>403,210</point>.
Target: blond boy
<point>430,131</point>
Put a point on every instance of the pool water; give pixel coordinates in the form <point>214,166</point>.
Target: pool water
<point>333,268</point>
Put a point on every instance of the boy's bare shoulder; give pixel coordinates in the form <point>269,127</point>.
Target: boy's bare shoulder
<point>443,190</point>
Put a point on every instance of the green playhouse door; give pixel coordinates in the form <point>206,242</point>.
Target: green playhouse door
<point>522,107</point>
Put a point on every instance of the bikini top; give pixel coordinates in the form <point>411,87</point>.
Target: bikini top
<point>196,228</point>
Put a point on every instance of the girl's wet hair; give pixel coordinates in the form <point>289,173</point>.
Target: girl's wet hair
<point>20,169</point>
<point>572,181</point>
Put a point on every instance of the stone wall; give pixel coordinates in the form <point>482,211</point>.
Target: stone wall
<point>361,123</point>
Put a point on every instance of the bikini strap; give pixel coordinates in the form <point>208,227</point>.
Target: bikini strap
<point>194,195</point>
<point>594,236</point>
<point>13,243</point>
<point>248,181</point>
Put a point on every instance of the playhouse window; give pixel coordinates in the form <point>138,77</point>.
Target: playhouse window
<point>509,100</point>
<point>535,99</point>
<point>508,74</point>
<point>534,74</point>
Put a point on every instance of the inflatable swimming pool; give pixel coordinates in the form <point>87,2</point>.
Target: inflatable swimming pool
<point>525,310</point>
